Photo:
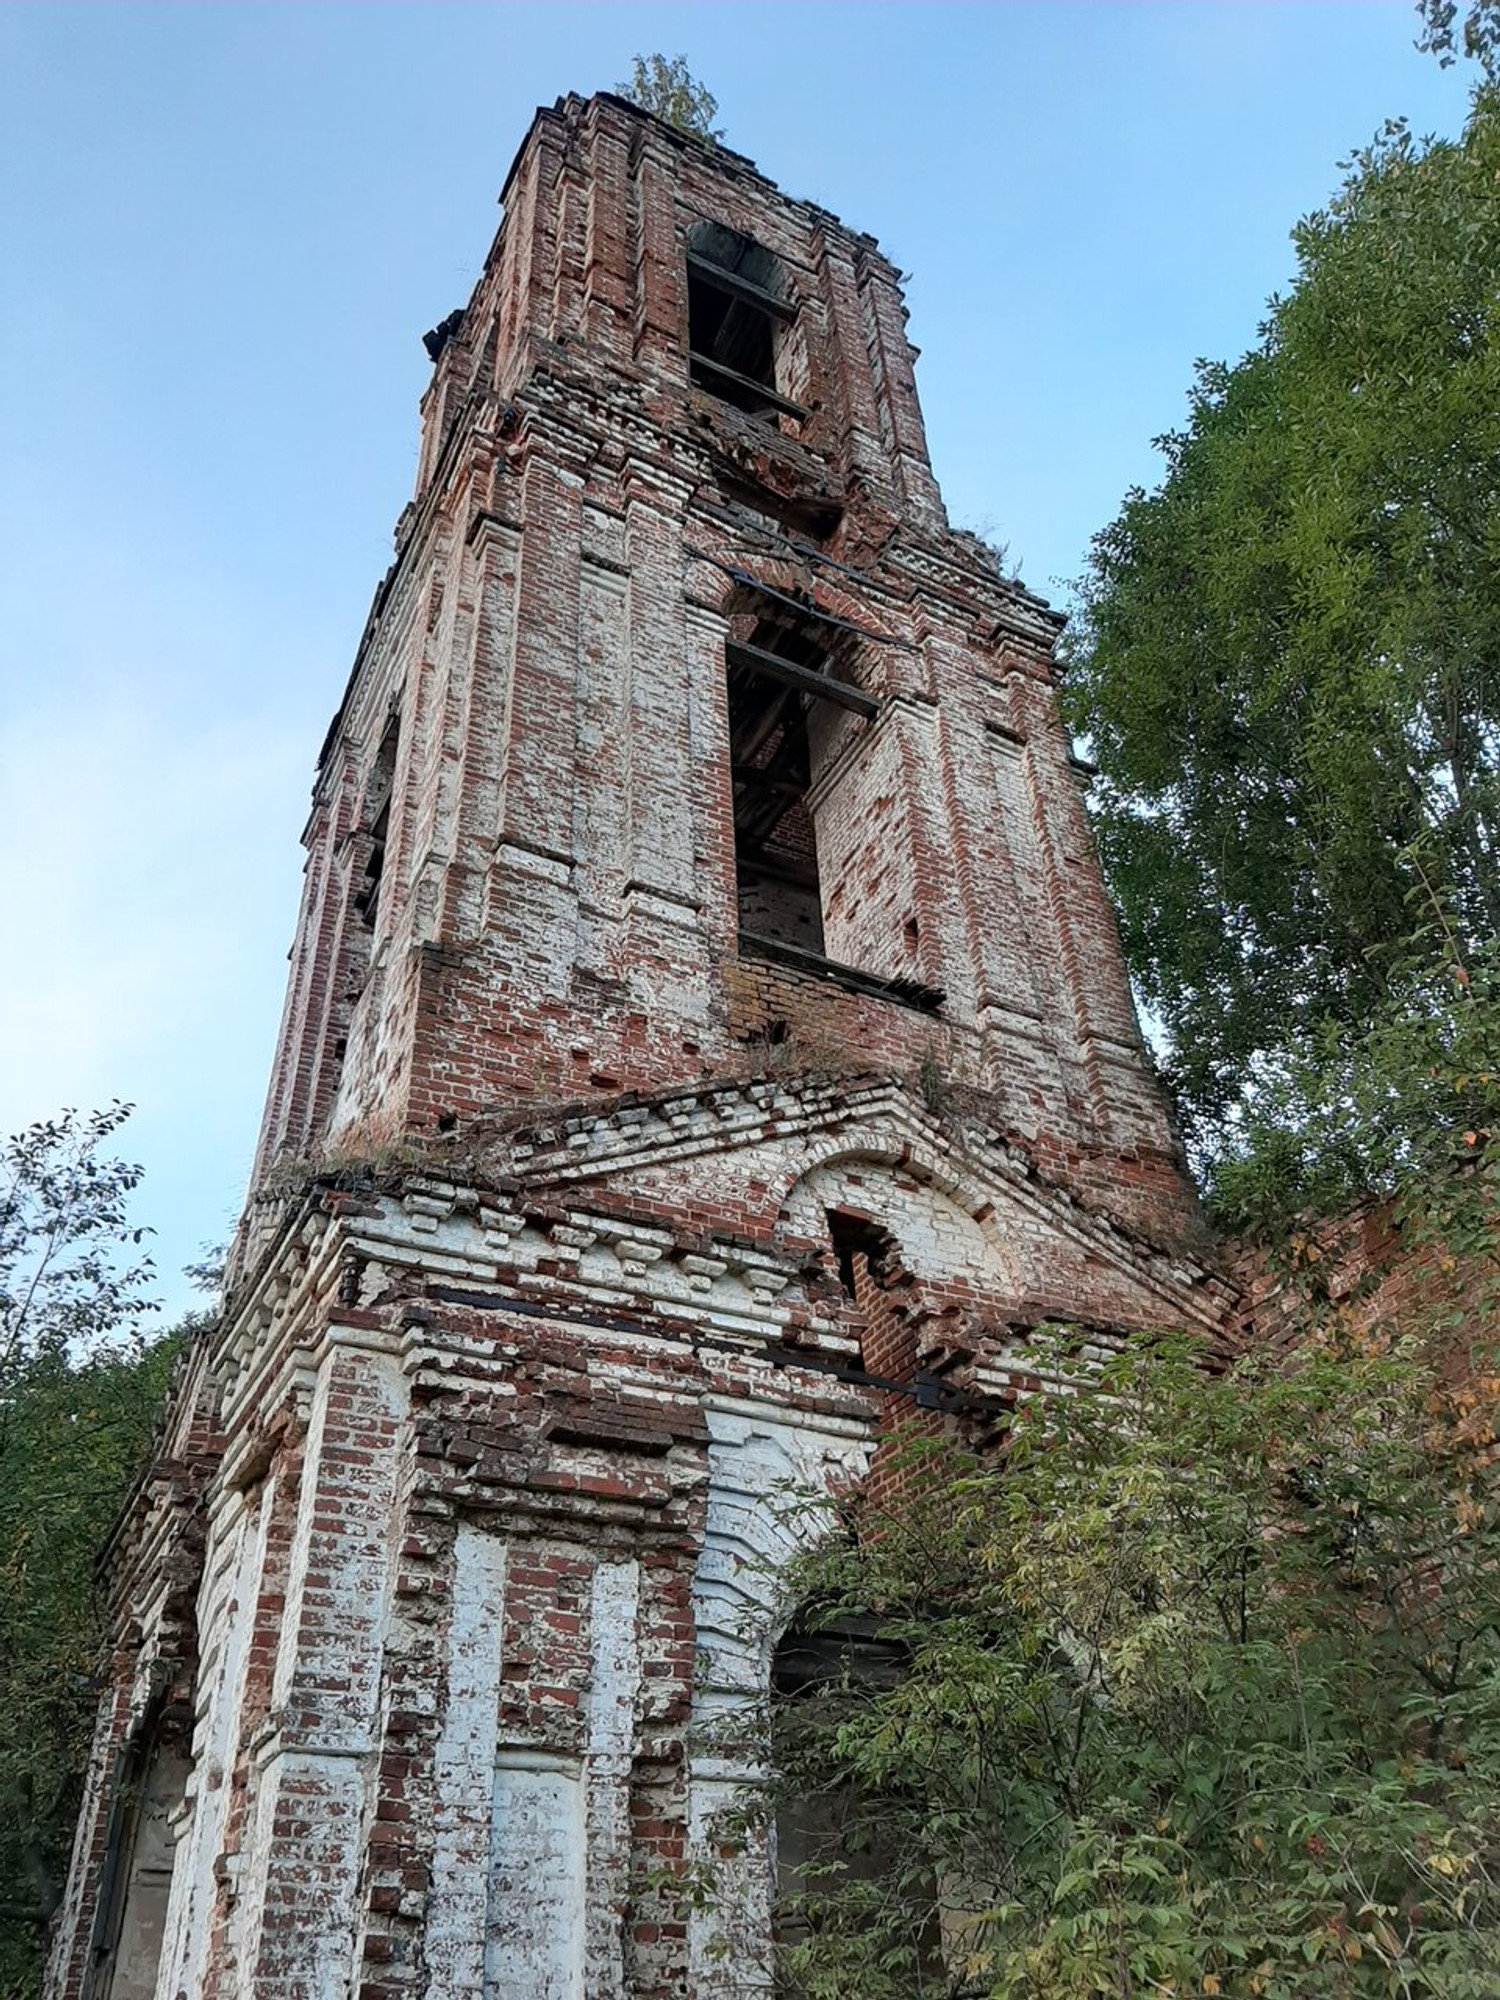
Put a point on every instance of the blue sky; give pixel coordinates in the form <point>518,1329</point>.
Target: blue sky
<point>223,231</point>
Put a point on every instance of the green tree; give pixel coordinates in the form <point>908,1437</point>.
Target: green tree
<point>1201,1687</point>
<point>72,1270</point>
<point>1404,1113</point>
<point>73,1437</point>
<point>1286,655</point>
<point>1477,35</point>
<point>667,88</point>
<point>1201,1696</point>
<point>81,1383</point>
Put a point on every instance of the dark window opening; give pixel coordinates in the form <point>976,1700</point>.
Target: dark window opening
<point>873,1277</point>
<point>775,840</point>
<point>869,1270</point>
<point>735,308</point>
<point>843,1835</point>
<point>861,1248</point>
<point>786,690</point>
<point>376,826</point>
<point>784,663</point>
<point>847,1653</point>
<point>137,1875</point>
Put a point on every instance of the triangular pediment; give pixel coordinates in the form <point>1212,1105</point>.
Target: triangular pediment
<point>755,1156</point>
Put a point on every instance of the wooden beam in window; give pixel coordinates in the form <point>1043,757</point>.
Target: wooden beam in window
<point>770,397</point>
<point>756,660</point>
<point>803,609</point>
<point>739,288</point>
<point>782,869</point>
<point>906,992</point>
<point>749,743</point>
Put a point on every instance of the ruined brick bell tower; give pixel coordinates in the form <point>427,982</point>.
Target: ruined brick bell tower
<point>706,1043</point>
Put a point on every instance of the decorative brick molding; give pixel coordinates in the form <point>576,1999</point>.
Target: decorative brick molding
<point>706,1044</point>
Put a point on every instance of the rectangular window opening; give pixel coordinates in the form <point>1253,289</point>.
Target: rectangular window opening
<point>775,840</point>
<point>376,818</point>
<point>778,666</point>
<point>733,321</point>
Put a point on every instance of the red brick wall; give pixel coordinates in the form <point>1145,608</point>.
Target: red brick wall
<point>480,1514</point>
<point>559,907</point>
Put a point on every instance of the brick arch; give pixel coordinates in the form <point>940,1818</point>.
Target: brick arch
<point>743,1600</point>
<point>798,579</point>
<point>754,1531</point>
<point>896,1183</point>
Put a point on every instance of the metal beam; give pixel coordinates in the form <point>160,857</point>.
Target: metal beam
<point>756,660</point>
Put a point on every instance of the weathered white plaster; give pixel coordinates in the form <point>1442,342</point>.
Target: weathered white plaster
<point>143,1930</point>
<point>313,1769</point>
<point>232,1584</point>
<point>937,1237</point>
<point>534,1948</point>
<point>614,1603</point>
<point>464,1769</point>
<point>767,1479</point>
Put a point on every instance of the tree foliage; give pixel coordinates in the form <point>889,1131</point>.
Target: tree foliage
<point>73,1437</point>
<point>72,1270</point>
<point>1285,659</point>
<point>1202,1667</point>
<point>1404,1111</point>
<point>1202,1696</point>
<point>1446,36</point>
<point>81,1382</point>
<point>667,88</point>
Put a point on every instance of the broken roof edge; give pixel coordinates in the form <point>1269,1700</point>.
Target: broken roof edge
<point>714,149</point>
<point>676,133</point>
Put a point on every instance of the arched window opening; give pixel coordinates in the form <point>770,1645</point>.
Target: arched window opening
<point>137,1875</point>
<point>795,711</point>
<point>834,1843</point>
<point>914,1402</point>
<point>787,702</point>
<point>868,1262</point>
<point>735,313</point>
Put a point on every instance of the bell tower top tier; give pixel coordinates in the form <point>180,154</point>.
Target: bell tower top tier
<point>685,739</point>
